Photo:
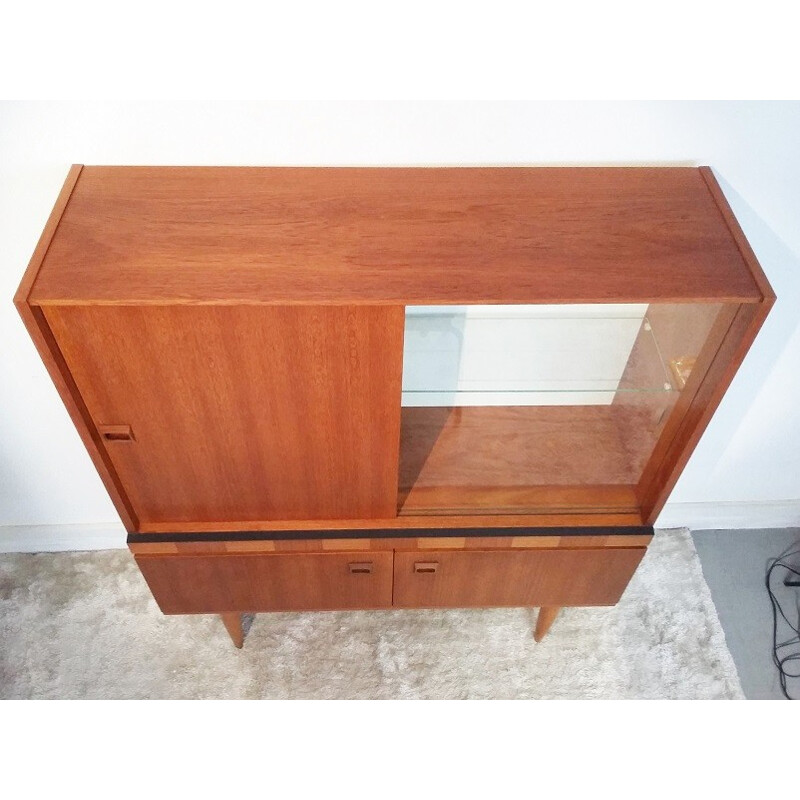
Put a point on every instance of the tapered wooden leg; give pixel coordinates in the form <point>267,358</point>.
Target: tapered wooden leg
<point>545,619</point>
<point>233,623</point>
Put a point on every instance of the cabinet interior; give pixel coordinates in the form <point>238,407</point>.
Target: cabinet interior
<point>542,408</point>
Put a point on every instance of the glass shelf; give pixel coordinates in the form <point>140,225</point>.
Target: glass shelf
<point>528,409</point>
<point>529,355</point>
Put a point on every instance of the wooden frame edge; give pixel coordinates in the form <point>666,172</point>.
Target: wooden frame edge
<point>38,329</point>
<point>746,251</point>
<point>441,523</point>
<point>733,348</point>
<point>43,245</point>
<point>742,332</point>
<point>382,540</point>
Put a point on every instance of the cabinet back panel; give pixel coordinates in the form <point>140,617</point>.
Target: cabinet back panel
<point>243,412</point>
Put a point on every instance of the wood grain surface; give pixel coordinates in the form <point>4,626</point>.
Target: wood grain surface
<point>225,584</point>
<point>514,578</point>
<point>400,523</point>
<point>510,500</point>
<point>544,621</point>
<point>396,235</point>
<point>233,624</point>
<point>42,337</point>
<point>520,459</point>
<point>174,241</point>
<point>400,542</point>
<point>737,233</point>
<point>243,412</point>
<point>46,238</point>
<point>229,583</point>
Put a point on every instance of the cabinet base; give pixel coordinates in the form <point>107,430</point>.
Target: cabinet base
<point>233,624</point>
<point>546,617</point>
<point>228,576</point>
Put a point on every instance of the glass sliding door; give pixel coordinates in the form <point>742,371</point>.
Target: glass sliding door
<point>540,408</point>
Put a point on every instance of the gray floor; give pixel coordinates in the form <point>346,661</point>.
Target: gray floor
<point>734,565</point>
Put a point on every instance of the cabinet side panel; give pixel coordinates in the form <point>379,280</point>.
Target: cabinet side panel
<point>738,236</point>
<point>218,413</point>
<point>674,451</point>
<point>59,372</point>
<point>42,337</point>
<point>50,228</point>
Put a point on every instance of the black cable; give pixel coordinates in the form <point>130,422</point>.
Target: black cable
<point>793,655</point>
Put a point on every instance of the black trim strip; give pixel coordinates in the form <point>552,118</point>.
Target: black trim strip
<point>383,533</point>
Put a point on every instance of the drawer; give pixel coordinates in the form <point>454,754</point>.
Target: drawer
<point>225,583</point>
<point>452,579</point>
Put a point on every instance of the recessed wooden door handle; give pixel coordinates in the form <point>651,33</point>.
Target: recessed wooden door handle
<point>426,566</point>
<point>116,433</point>
<point>361,567</point>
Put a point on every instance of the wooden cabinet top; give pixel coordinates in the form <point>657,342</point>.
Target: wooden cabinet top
<point>394,236</point>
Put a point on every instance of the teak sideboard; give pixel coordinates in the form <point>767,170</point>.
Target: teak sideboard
<point>364,388</point>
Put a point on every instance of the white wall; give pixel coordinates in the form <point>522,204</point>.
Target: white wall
<point>748,458</point>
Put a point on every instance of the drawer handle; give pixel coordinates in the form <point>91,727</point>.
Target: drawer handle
<point>361,568</point>
<point>426,566</point>
<point>116,433</point>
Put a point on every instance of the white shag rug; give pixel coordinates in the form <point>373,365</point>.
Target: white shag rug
<point>84,625</point>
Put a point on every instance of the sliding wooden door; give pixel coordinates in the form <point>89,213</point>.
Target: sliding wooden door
<point>242,412</point>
